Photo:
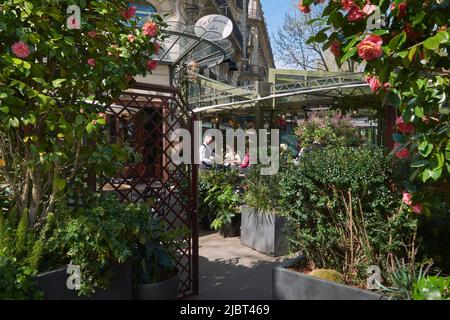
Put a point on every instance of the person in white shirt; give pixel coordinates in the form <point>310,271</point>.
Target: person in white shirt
<point>206,153</point>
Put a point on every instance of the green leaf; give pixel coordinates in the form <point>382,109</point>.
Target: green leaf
<point>425,149</point>
<point>348,54</point>
<point>418,111</point>
<point>397,41</point>
<point>58,82</point>
<point>419,163</point>
<point>433,174</point>
<point>4,109</point>
<point>60,184</point>
<point>432,43</point>
<point>412,53</point>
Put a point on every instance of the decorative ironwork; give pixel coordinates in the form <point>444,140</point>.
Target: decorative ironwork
<point>144,119</point>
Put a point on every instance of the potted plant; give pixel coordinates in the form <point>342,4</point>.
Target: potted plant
<point>345,215</point>
<point>262,227</point>
<point>155,273</point>
<point>219,200</point>
<point>97,241</point>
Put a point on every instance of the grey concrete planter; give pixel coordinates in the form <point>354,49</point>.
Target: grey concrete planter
<point>165,290</point>
<point>291,285</point>
<point>263,232</point>
<point>54,286</point>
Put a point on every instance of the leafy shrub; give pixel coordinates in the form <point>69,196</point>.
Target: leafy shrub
<point>328,129</point>
<point>97,237</point>
<point>344,211</point>
<point>218,196</point>
<point>20,255</point>
<point>262,191</point>
<point>154,259</point>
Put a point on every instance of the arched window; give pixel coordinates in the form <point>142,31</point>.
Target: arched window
<point>144,11</point>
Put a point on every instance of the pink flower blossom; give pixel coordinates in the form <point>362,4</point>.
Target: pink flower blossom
<point>404,127</point>
<point>91,62</point>
<point>374,82</point>
<point>355,14</point>
<point>368,9</point>
<point>370,48</point>
<point>407,198</point>
<point>150,29</point>
<point>403,153</point>
<point>129,13</point>
<point>92,34</point>
<point>335,48</point>
<point>304,9</point>
<point>131,37</point>
<point>152,64</point>
<point>418,208</point>
<point>20,49</point>
<point>347,4</point>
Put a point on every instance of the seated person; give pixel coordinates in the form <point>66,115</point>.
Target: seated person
<point>245,165</point>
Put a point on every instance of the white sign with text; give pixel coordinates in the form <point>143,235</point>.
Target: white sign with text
<point>217,27</point>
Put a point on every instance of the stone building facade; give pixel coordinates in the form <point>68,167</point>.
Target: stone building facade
<point>252,51</point>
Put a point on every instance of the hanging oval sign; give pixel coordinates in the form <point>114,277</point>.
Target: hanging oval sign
<point>214,27</point>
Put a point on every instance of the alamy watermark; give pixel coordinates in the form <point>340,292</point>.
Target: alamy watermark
<point>253,143</point>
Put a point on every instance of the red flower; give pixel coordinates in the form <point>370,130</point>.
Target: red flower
<point>374,82</point>
<point>91,62</point>
<point>304,9</point>
<point>370,48</point>
<point>355,14</point>
<point>404,127</point>
<point>418,208</point>
<point>335,48</point>
<point>407,198</point>
<point>402,10</point>
<point>20,49</point>
<point>150,29</point>
<point>129,13</point>
<point>131,38</point>
<point>347,4</point>
<point>403,153</point>
<point>92,34</point>
<point>152,64</point>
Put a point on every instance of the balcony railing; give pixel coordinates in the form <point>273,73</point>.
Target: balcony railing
<point>225,10</point>
<point>255,14</point>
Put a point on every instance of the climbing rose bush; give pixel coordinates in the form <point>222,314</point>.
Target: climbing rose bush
<point>406,55</point>
<point>54,84</point>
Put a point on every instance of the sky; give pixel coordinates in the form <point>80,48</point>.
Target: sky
<point>274,12</point>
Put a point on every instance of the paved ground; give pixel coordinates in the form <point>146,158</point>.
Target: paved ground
<point>230,271</point>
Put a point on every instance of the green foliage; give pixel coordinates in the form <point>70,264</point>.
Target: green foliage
<point>326,274</point>
<point>402,277</point>
<point>52,101</point>
<point>344,211</point>
<point>156,253</point>
<point>217,196</point>
<point>432,288</point>
<point>21,251</point>
<point>413,70</point>
<point>225,201</point>
<point>97,237</point>
<point>328,129</point>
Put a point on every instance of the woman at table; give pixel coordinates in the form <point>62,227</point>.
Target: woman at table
<point>245,165</point>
